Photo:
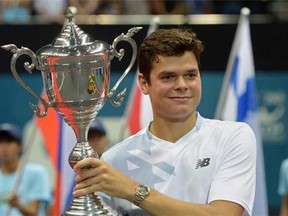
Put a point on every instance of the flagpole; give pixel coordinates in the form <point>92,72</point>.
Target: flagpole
<point>21,166</point>
<point>245,12</point>
<point>230,107</point>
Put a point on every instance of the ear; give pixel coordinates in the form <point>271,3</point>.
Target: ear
<point>20,148</point>
<point>143,84</point>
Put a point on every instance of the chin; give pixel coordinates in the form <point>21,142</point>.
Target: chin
<point>180,116</point>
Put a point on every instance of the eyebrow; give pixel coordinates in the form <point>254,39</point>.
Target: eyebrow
<point>166,73</point>
<point>193,70</point>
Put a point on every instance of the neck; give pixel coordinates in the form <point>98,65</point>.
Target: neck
<point>10,167</point>
<point>172,131</point>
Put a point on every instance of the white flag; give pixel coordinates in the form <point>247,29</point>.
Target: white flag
<point>238,100</point>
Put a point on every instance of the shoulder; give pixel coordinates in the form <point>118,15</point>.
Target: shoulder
<point>220,124</point>
<point>227,128</point>
<point>230,136</point>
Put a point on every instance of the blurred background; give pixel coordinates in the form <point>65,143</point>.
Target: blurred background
<point>35,23</point>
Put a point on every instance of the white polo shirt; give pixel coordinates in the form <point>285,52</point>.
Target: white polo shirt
<point>216,160</point>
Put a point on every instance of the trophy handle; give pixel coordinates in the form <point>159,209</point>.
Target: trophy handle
<point>28,67</point>
<point>119,55</point>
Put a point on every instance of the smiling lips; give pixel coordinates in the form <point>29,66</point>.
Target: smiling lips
<point>180,98</point>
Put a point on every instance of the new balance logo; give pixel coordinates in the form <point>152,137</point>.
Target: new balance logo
<point>202,163</point>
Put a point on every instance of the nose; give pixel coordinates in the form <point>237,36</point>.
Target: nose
<point>181,83</point>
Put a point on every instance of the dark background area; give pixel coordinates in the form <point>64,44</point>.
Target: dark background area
<point>269,41</point>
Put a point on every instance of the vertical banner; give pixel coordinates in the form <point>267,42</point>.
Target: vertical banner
<point>238,100</point>
<point>59,139</point>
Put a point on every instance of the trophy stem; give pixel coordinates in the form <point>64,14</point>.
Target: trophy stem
<point>90,204</point>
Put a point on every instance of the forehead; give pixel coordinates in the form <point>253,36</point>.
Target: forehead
<point>10,142</point>
<point>7,139</point>
<point>186,60</point>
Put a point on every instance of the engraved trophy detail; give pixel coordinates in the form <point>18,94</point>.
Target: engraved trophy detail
<point>76,76</point>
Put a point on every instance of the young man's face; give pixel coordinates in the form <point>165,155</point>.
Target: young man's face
<point>175,87</point>
<point>9,151</point>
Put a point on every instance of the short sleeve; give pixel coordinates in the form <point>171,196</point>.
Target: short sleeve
<point>39,184</point>
<point>235,178</point>
<point>283,178</point>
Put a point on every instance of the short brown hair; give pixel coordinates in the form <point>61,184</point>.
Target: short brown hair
<point>167,42</point>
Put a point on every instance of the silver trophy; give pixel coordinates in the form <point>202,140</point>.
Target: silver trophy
<point>76,75</point>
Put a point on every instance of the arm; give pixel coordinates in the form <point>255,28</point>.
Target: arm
<point>282,187</point>
<point>284,206</point>
<point>104,178</point>
<point>28,210</point>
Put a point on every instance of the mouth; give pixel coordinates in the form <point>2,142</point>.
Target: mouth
<point>181,98</point>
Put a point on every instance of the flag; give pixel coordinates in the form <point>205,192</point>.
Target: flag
<point>238,100</point>
<point>59,140</point>
<point>138,112</point>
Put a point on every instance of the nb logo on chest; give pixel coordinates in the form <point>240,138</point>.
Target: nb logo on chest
<point>202,163</point>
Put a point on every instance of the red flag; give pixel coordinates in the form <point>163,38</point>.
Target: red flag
<point>140,113</point>
<point>59,140</point>
<point>138,110</point>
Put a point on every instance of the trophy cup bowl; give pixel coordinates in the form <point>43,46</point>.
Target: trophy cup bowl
<point>76,76</point>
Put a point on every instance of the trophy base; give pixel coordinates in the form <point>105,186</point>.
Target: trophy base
<point>88,205</point>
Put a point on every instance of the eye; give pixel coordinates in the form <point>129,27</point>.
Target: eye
<point>167,77</point>
<point>191,75</point>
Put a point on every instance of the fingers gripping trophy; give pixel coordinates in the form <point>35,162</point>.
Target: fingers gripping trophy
<point>76,75</point>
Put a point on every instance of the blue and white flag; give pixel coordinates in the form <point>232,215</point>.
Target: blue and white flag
<point>238,100</point>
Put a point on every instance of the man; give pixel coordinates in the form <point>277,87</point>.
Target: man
<point>33,192</point>
<point>182,164</point>
<point>97,137</point>
<point>283,187</point>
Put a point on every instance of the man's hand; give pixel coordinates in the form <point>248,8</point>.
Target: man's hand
<point>13,201</point>
<point>101,177</point>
